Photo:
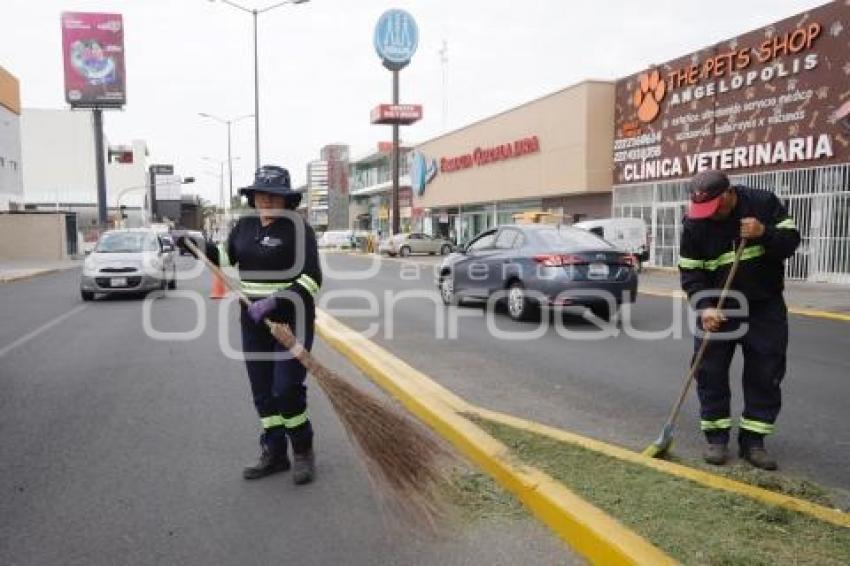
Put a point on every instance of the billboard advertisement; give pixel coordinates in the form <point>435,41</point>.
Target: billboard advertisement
<point>93,55</point>
<point>769,99</point>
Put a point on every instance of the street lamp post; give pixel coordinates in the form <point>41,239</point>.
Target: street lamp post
<point>230,159</point>
<point>220,176</point>
<point>254,14</point>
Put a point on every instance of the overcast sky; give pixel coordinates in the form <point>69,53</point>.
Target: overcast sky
<point>320,76</point>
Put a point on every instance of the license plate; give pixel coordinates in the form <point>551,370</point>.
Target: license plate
<point>597,270</point>
<point>118,282</point>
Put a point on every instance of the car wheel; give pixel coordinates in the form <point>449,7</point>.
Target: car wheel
<point>447,290</point>
<point>404,251</point>
<point>446,250</point>
<point>520,307</point>
<point>87,295</point>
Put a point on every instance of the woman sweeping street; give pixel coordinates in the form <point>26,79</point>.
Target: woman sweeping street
<point>277,258</point>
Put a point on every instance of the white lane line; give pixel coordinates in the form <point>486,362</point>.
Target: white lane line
<point>26,338</point>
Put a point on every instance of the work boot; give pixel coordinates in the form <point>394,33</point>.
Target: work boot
<point>305,468</point>
<point>716,454</point>
<point>266,465</point>
<point>758,457</point>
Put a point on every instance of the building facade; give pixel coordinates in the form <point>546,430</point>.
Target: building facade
<point>771,107</point>
<point>327,189</point>
<point>317,194</point>
<point>59,147</point>
<point>371,192</point>
<point>11,168</point>
<point>551,154</point>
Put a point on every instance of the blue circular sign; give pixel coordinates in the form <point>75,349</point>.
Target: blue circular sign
<point>396,37</point>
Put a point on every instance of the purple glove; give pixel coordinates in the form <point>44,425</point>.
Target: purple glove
<point>261,309</point>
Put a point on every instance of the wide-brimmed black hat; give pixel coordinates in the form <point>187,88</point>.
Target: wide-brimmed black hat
<point>273,180</point>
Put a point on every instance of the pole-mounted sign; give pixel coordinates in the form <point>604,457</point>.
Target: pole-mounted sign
<point>396,38</point>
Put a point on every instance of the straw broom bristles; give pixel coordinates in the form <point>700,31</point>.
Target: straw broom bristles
<point>399,454</point>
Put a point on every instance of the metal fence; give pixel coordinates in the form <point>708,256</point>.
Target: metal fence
<point>818,199</point>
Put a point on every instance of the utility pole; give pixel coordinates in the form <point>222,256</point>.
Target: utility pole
<point>100,165</point>
<point>396,229</point>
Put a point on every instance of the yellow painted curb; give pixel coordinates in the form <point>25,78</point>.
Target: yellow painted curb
<point>801,311</point>
<point>705,478</point>
<point>815,313</point>
<point>597,536</point>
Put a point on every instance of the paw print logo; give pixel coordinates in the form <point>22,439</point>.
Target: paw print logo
<point>648,95</point>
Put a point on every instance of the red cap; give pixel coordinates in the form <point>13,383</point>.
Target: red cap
<point>705,190</point>
<point>700,210</point>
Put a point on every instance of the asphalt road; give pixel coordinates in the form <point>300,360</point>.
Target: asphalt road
<point>617,389</point>
<point>116,448</point>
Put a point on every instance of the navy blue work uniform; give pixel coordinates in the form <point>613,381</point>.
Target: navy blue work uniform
<point>706,253</point>
<point>279,260</point>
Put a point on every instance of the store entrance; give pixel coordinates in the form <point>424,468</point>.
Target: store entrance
<point>667,229</point>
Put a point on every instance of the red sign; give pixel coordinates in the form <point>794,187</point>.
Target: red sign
<point>402,114</point>
<point>486,155</point>
<point>93,53</point>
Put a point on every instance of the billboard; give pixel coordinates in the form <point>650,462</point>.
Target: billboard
<point>769,99</point>
<point>93,55</point>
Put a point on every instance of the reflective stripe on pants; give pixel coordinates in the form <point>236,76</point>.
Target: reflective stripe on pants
<point>764,347</point>
<point>277,385</point>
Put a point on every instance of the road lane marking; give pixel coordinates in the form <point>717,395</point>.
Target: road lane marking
<point>43,328</point>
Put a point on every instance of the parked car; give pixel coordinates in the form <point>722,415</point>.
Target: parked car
<point>128,261</point>
<point>627,234</point>
<point>340,239</point>
<point>415,243</point>
<point>540,265</point>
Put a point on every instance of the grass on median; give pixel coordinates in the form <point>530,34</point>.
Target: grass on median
<point>692,523</point>
<point>477,497</point>
<point>795,487</point>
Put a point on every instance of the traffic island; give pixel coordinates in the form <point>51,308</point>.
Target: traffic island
<point>691,522</point>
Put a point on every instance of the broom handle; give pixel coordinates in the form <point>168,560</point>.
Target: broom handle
<point>707,335</point>
<point>217,271</point>
<point>295,347</point>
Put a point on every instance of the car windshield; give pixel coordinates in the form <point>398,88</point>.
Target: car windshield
<point>570,238</point>
<point>128,242</point>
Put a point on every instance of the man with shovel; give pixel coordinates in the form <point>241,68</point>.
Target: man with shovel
<point>720,215</point>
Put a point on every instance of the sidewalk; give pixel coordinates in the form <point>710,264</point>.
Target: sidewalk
<point>15,269</point>
<point>798,295</point>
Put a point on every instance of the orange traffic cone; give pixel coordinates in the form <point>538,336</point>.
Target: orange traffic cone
<point>219,290</point>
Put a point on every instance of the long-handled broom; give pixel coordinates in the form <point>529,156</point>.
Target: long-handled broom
<point>399,453</point>
<point>662,444</point>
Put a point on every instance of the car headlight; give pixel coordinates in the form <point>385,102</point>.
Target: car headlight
<point>89,265</point>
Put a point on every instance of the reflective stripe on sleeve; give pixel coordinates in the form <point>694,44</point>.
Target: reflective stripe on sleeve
<point>787,224</point>
<point>688,263</point>
<point>308,283</point>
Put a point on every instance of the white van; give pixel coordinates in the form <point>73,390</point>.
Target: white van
<point>627,234</point>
